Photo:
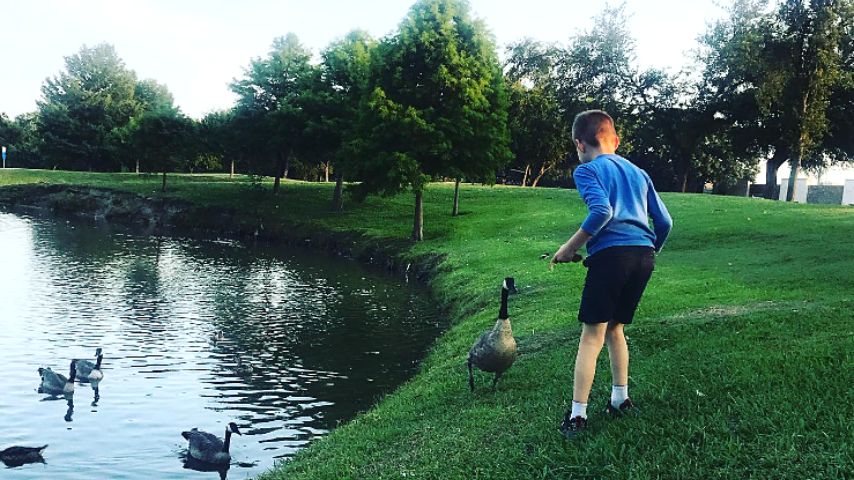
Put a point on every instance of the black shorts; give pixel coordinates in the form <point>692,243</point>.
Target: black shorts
<point>616,279</point>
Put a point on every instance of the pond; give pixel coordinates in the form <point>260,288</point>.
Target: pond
<point>307,341</point>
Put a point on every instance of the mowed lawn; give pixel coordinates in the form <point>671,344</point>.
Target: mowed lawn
<point>741,351</point>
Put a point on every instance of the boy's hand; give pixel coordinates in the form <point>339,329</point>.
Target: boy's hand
<point>565,254</point>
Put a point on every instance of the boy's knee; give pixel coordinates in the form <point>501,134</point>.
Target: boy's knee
<point>614,330</point>
<point>593,333</point>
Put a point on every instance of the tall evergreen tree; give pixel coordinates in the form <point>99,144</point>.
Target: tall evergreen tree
<point>82,107</point>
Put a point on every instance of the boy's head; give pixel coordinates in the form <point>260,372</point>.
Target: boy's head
<point>594,134</point>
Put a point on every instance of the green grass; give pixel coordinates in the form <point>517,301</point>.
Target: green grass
<point>741,350</point>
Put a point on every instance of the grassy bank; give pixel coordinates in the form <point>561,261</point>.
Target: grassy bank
<point>741,351</point>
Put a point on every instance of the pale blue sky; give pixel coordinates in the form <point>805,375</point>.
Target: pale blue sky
<point>196,47</point>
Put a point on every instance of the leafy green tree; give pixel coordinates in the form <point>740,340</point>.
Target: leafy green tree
<point>25,150</point>
<point>596,70</point>
<point>438,107</point>
<point>269,94</point>
<point>151,98</point>
<point>9,132</point>
<point>539,134</point>
<point>779,78</point>
<point>540,138</point>
<point>163,141</point>
<point>733,66</point>
<point>82,107</point>
<point>340,89</point>
<point>803,70</point>
<point>216,142</point>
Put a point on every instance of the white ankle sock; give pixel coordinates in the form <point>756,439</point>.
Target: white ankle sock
<point>578,410</point>
<point>619,394</point>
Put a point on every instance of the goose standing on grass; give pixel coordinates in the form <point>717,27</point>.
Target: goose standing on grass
<point>17,456</point>
<point>56,383</point>
<point>88,371</point>
<point>207,447</point>
<point>495,350</point>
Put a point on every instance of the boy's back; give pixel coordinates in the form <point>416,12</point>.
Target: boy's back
<point>621,199</point>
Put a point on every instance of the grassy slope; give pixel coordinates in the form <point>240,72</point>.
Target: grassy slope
<point>741,351</point>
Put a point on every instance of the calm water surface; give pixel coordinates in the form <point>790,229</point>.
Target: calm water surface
<point>309,341</point>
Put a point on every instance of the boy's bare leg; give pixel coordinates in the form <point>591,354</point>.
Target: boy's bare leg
<point>592,340</point>
<point>618,352</point>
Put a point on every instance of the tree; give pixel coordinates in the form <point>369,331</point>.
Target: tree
<point>82,107</point>
<point>216,138</point>
<point>539,135</point>
<point>9,132</point>
<point>438,107</point>
<point>776,74</point>
<point>805,67</point>
<point>151,98</point>
<point>340,89</point>
<point>270,94</point>
<point>162,140</point>
<point>596,70</point>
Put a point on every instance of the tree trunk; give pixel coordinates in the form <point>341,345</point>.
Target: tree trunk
<point>543,171</point>
<point>137,166</point>
<point>771,167</point>
<point>418,226</point>
<point>682,178</point>
<point>326,172</point>
<point>277,181</point>
<point>456,210</point>
<point>525,176</point>
<point>163,188</point>
<point>795,163</point>
<point>231,173</point>
<point>337,197</point>
<point>287,165</point>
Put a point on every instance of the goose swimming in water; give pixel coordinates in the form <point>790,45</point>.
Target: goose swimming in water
<point>242,368</point>
<point>88,371</point>
<point>56,383</point>
<point>17,456</point>
<point>495,350</point>
<point>217,336</point>
<point>207,447</point>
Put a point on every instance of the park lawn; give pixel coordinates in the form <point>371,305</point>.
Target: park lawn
<point>741,350</point>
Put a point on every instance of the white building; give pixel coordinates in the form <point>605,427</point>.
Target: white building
<point>832,176</point>
<point>841,175</point>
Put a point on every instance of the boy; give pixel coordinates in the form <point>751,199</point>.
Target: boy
<point>621,246</point>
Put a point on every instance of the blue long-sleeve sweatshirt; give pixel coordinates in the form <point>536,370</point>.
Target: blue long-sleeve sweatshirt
<point>620,199</point>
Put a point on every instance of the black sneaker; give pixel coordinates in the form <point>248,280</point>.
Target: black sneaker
<point>572,426</point>
<point>622,410</point>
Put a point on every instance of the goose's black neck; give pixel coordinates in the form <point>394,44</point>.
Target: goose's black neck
<point>72,374</point>
<point>502,314</point>
<point>98,362</point>
<point>227,440</point>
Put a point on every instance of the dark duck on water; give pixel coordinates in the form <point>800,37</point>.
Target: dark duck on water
<point>17,456</point>
<point>495,350</point>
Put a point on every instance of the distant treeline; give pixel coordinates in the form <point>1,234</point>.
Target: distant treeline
<point>773,80</point>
